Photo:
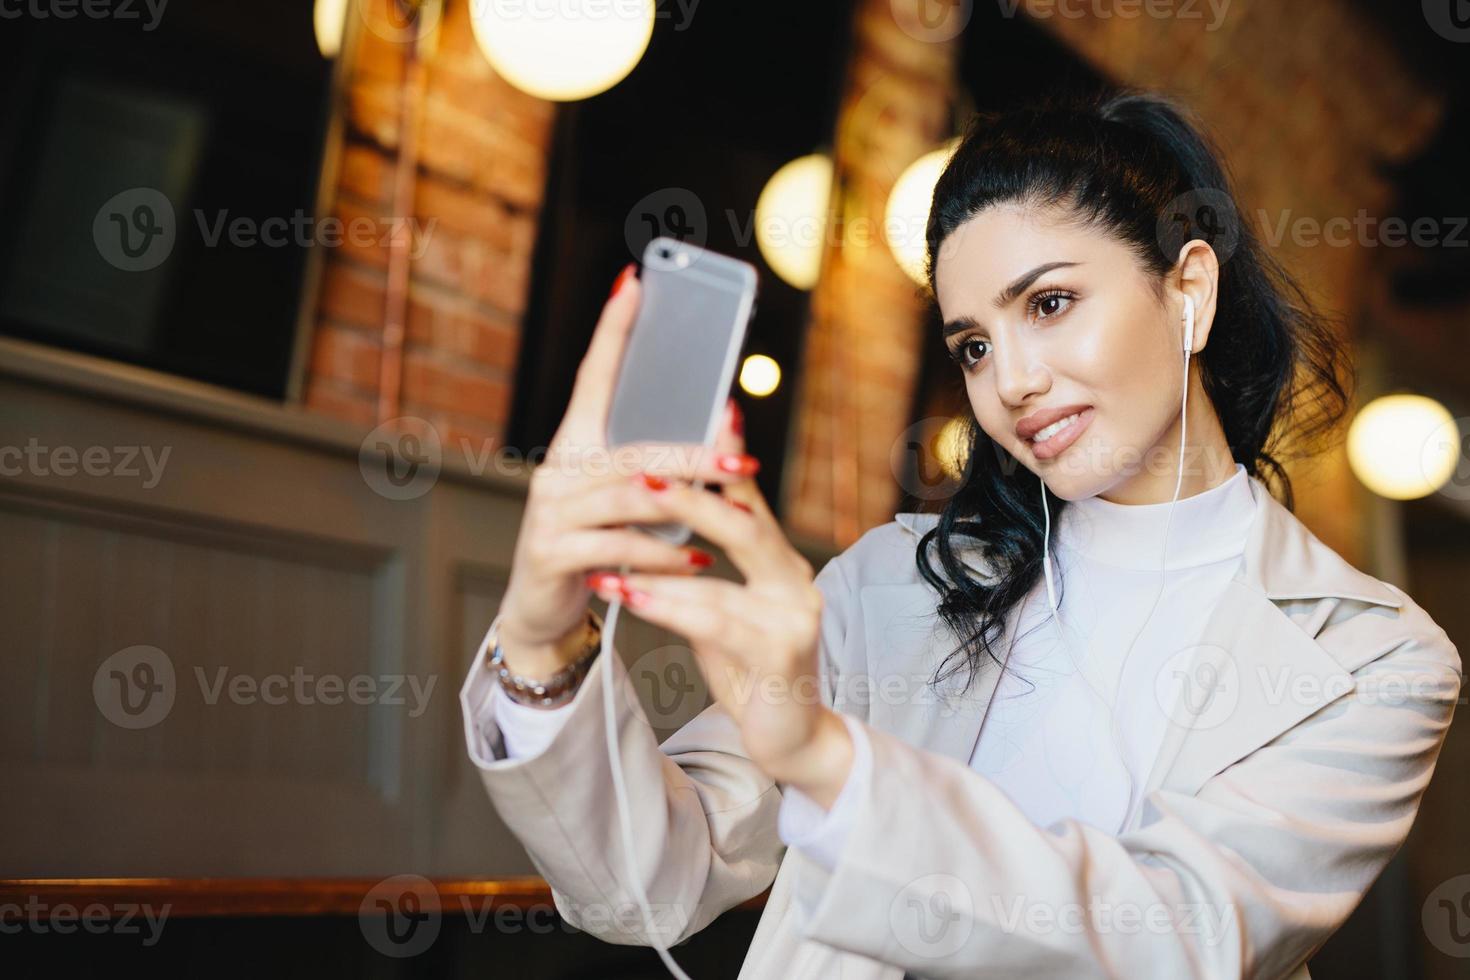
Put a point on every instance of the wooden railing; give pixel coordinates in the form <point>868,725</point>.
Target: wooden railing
<point>272,896</point>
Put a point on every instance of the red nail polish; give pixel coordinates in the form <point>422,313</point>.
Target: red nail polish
<point>737,418</point>
<point>621,279</point>
<point>655,482</point>
<point>604,581</point>
<point>743,506</point>
<point>739,463</point>
<point>700,559</point>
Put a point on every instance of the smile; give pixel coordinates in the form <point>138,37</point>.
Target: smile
<point>1054,439</point>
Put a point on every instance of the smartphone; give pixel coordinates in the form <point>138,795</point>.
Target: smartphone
<point>682,352</point>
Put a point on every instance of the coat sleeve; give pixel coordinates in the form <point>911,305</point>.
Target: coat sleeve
<point>704,815</point>
<point>943,876</point>
<point>817,832</point>
<point>524,730</point>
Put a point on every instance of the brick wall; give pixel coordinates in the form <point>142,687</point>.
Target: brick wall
<point>1302,133</point>
<point>861,360</point>
<point>482,152</point>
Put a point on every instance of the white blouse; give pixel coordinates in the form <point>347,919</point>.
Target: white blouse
<point>1047,742</point>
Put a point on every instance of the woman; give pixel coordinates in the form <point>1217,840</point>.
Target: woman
<point>1165,732</point>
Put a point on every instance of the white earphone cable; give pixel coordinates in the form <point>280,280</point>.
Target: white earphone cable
<point>620,789</point>
<point>1111,704</point>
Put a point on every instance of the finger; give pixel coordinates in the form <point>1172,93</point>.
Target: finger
<point>579,471</point>
<point>708,614</point>
<point>731,436</point>
<point>742,491</point>
<point>612,503</point>
<point>611,548</point>
<point>724,461</point>
<point>753,541</point>
<point>597,374</point>
<point>608,502</point>
<point>677,460</point>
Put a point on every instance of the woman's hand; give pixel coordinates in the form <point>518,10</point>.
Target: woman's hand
<point>578,497</point>
<point>757,643</point>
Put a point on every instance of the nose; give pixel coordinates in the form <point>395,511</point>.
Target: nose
<point>1019,372</point>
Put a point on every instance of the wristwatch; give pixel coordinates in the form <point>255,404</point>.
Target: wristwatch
<point>560,687</point>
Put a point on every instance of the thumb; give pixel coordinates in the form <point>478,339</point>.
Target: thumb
<point>597,375</point>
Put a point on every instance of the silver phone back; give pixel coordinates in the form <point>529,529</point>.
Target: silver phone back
<point>682,352</point>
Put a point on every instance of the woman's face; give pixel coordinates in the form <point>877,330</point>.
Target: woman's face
<point>1060,336</point>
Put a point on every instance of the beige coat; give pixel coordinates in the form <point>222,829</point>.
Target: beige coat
<point>1308,721</point>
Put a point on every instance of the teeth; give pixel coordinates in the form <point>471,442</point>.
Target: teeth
<point>1054,428</point>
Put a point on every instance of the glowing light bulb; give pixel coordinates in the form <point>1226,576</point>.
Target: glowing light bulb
<point>791,216</point>
<point>907,216</point>
<point>1403,446</point>
<point>759,375</point>
<point>951,446</point>
<point>328,19</point>
<point>559,51</point>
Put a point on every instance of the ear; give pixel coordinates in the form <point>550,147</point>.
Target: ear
<point>1198,275</point>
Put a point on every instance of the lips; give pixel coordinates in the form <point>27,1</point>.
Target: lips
<point>1053,438</point>
<point>1027,428</point>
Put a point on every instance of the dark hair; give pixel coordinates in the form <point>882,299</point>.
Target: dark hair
<point>1133,164</point>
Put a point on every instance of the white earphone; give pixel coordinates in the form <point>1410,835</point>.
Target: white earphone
<point>1188,324</point>
<point>1051,595</point>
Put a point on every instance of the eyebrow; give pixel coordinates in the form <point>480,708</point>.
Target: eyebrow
<point>1007,295</point>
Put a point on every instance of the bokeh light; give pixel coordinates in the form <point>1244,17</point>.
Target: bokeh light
<point>790,219</point>
<point>563,52</point>
<point>759,375</point>
<point>1403,446</point>
<point>907,214</point>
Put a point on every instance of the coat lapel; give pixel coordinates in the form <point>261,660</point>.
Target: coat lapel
<point>1254,673</point>
<point>906,642</point>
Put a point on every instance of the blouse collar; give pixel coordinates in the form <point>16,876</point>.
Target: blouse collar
<point>1283,560</point>
<point>1207,527</point>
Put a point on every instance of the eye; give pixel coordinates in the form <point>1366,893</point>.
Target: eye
<point>959,352</point>
<point>1049,299</point>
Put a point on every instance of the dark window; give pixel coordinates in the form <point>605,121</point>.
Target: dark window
<point>682,146</point>
<point>143,155</point>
